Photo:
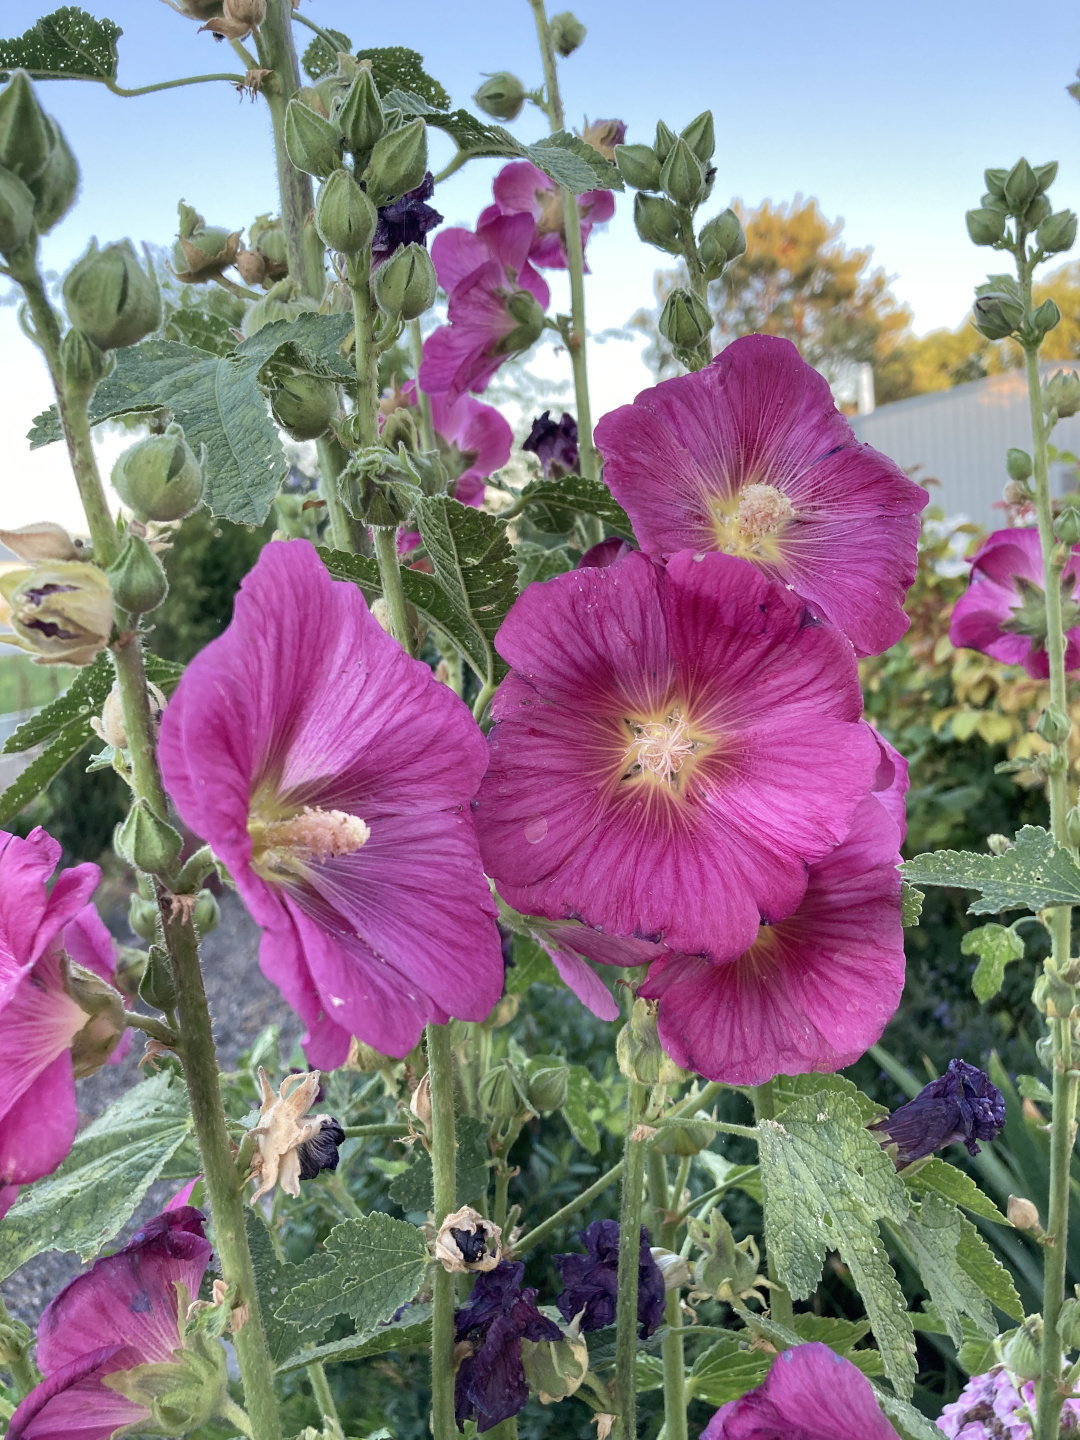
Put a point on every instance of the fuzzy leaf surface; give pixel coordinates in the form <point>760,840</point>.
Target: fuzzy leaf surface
<point>583,1095</point>
<point>1034,873</point>
<point>537,562</point>
<point>979,1262</point>
<point>112,1164</point>
<point>413,1329</point>
<point>274,1279</point>
<point>572,492</point>
<point>320,58</point>
<point>68,44</point>
<point>911,902</point>
<point>378,1266</point>
<point>938,1177</point>
<point>396,67</point>
<point>827,1183</point>
<point>843,1336</point>
<point>726,1370</point>
<point>909,1423</point>
<point>934,1237</point>
<point>413,1188</point>
<point>788,1088</point>
<point>995,946</point>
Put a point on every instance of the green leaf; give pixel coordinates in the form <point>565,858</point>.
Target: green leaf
<point>532,966</point>
<point>537,562</point>
<point>310,342</point>
<point>977,1354</point>
<point>788,1088</point>
<point>572,162</point>
<point>1034,873</point>
<point>995,946</point>
<point>412,1189</point>
<point>379,1265</point>
<point>934,1237</point>
<point>726,1370</point>
<point>910,1424</point>
<point>911,902</point>
<point>827,1182</point>
<point>979,1262</point>
<point>842,1336</point>
<point>583,1095</point>
<point>1031,1088</point>
<point>413,1329</point>
<point>274,1279</point>
<point>40,773</point>
<point>544,499</point>
<point>320,58</point>
<point>69,44</point>
<point>112,1164</point>
<point>395,67</point>
<point>938,1177</point>
<point>203,330</point>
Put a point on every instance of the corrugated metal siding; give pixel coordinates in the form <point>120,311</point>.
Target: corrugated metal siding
<point>960,436</point>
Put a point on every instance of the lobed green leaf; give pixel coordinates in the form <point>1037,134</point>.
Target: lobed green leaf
<point>911,903</point>
<point>995,946</point>
<point>413,1329</point>
<point>69,44</point>
<point>583,1095</point>
<point>980,1263</point>
<point>726,1370</point>
<point>788,1088</point>
<point>572,492</point>
<point>1034,873</point>
<point>938,1177</point>
<point>378,1266</point>
<point>396,67</point>
<point>413,1188</point>
<point>538,563</point>
<point>274,1279</point>
<point>320,58</point>
<point>934,1237</point>
<point>842,1336</point>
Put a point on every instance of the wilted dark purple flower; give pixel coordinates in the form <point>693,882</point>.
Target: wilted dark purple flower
<point>498,1315</point>
<point>321,1151</point>
<point>964,1105</point>
<point>554,444</point>
<point>405,222</point>
<point>591,1280</point>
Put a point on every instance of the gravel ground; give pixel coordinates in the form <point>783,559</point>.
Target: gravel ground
<point>241,1003</point>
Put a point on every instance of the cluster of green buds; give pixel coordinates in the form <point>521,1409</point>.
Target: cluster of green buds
<point>202,251</point>
<point>674,177</point>
<point>517,1087</point>
<point>38,173</point>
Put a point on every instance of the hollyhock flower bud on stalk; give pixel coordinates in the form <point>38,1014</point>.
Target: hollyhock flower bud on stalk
<point>110,298</point>
<point>16,213</point>
<point>499,1314</point>
<point>359,115</point>
<point>963,1105</point>
<point>267,236</point>
<point>313,143</point>
<point>682,176</point>
<point>473,439</point>
<point>405,286</point>
<point>61,611</point>
<point>501,96</point>
<point>398,161</point>
<point>721,241</point>
<point>986,226</point>
<point>639,166</point>
<point>137,578</point>
<point>466,1242</point>
<point>305,406</point>
<point>148,842</point>
<point>202,251</point>
<point>590,1281</point>
<point>810,1393</point>
<point>82,363</point>
<point>685,320</point>
<point>567,32</point>
<point>344,216</point>
<point>657,223</point>
<point>26,141</point>
<point>1061,394</point>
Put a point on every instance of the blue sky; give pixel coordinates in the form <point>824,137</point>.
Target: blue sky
<point>886,112</point>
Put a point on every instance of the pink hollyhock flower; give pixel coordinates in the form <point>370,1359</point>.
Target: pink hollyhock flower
<point>751,457</point>
<point>670,751</point>
<point>1003,610</point>
<point>332,774</point>
<point>811,1393</point>
<point>474,441</point>
<point>120,1313</point>
<point>39,1018</point>
<point>521,189</point>
<point>570,946</point>
<point>496,304</point>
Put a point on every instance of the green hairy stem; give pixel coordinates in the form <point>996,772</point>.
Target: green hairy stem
<point>626,1301</point>
<point>444,1177</point>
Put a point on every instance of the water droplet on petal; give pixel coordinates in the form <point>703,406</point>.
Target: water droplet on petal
<point>536,829</point>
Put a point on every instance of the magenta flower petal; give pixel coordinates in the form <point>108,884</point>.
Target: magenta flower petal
<point>811,1393</point>
<point>577,976</point>
<point>475,441</point>
<point>72,1401</point>
<point>333,775</point>
<point>521,188</point>
<point>39,1123</point>
<point>670,752</point>
<point>31,916</point>
<point>891,783</point>
<point>89,943</point>
<point>814,991</point>
<point>751,456</point>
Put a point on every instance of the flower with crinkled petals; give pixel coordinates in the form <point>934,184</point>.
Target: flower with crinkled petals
<point>332,774</point>
<point>591,1281</point>
<point>555,444</point>
<point>521,189</point>
<point>119,1314</point>
<point>992,1407</point>
<point>672,749</point>
<point>487,276</point>
<point>810,1393</point>
<point>751,457</point>
<point>964,1104</point>
<point>39,1019</point>
<point>1003,610</point>
<point>405,222</point>
<point>497,1316</point>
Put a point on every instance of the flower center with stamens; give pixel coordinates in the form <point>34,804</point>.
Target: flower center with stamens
<point>284,848</point>
<point>551,219</point>
<point>749,522</point>
<point>660,748</point>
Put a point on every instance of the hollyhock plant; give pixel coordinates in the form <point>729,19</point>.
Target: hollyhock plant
<point>750,456</point>
<point>993,1405</point>
<point>554,443</point>
<point>473,439</point>
<point>499,1314</point>
<point>1003,610</point>
<point>590,1281</point>
<point>119,1314</point>
<point>810,1393</point>
<point>89,943</point>
<point>40,1018</point>
<point>521,189</point>
<point>670,752</point>
<point>964,1104</point>
<point>570,946</point>
<point>405,222</point>
<point>496,304</point>
<point>332,774</point>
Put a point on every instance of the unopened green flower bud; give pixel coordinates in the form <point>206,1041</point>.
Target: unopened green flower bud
<point>147,841</point>
<point>1069,1322</point>
<point>267,235</point>
<point>1072,825</point>
<point>111,298</point>
<point>206,912</point>
<point>1054,725</point>
<point>526,310</point>
<point>400,429</point>
<point>283,301</point>
<point>1020,187</point>
<point>1018,464</point>
<point>16,213</point>
<point>700,135</point>
<point>547,1084</point>
<point>726,1268</point>
<point>313,143</point>
<point>682,175</point>
<point>1061,394</point>
<point>1023,1353</point>
<point>25,138</point>
<point>1067,526</point>
<point>137,578</point>
<point>359,117</point>
<point>1046,317</point>
<point>567,32</point>
<point>639,166</point>
<point>344,216</point>
<point>202,250</point>
<point>501,96</point>
<point>60,611</point>
<point>1038,211</point>
<point>1045,175</point>
<point>657,222</point>
<point>685,320</point>
<point>998,312</point>
<point>405,285</point>
<point>664,142</point>
<point>103,1006</point>
<point>398,161</point>
<point>688,1138</point>
<point>1057,233</point>
<point>143,917</point>
<point>721,241</point>
<point>986,227</point>
<point>995,183</point>
<point>82,363</point>
<point>157,986</point>
<point>502,1094</point>
<point>304,405</point>
<point>54,190</point>
<point>638,1050</point>
<point>555,1369</point>
<point>159,478</point>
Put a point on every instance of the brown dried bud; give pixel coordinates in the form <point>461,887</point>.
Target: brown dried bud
<point>467,1242</point>
<point>420,1103</point>
<point>1022,1213</point>
<point>238,19</point>
<point>252,266</point>
<point>44,540</point>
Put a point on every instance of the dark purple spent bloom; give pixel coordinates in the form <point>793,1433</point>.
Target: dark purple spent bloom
<point>590,1281</point>
<point>321,1151</point>
<point>554,444</point>
<point>964,1105</point>
<point>405,222</point>
<point>498,1315</point>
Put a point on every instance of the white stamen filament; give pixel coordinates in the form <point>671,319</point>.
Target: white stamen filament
<point>762,511</point>
<point>661,748</point>
<point>313,834</point>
